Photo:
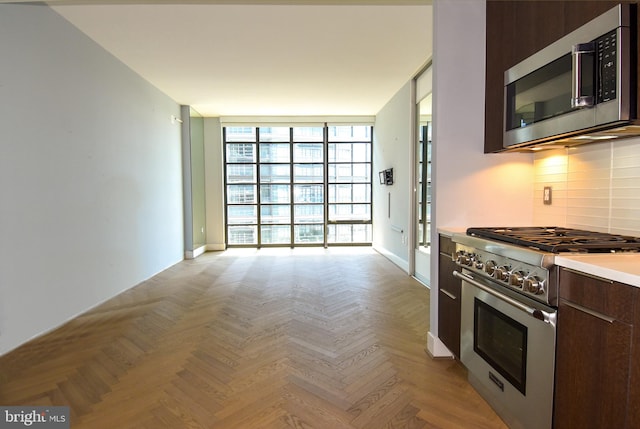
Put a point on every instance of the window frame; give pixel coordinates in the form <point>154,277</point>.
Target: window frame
<point>298,137</point>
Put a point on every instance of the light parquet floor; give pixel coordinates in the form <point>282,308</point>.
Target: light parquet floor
<point>271,338</point>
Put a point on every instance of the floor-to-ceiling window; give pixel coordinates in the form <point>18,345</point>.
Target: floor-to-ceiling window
<point>293,186</point>
<point>349,166</point>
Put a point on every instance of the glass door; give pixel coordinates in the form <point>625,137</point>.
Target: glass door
<point>422,179</point>
<point>423,189</point>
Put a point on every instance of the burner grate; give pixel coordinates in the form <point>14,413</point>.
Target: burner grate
<point>557,239</point>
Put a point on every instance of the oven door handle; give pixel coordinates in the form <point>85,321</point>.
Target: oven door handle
<point>545,316</point>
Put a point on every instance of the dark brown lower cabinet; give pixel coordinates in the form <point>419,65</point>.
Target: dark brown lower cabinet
<point>633,412</point>
<point>594,352</point>
<point>449,291</point>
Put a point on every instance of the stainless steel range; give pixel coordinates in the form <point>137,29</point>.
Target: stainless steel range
<point>509,312</point>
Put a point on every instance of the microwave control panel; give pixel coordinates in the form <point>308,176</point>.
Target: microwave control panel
<point>607,51</point>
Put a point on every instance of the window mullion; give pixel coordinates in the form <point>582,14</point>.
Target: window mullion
<point>258,183</point>
<point>292,181</point>
<point>325,182</point>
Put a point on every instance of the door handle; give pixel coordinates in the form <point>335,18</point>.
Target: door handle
<point>577,52</point>
<point>449,294</point>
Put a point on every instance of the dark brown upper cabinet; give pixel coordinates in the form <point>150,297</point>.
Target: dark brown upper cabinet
<point>517,30</point>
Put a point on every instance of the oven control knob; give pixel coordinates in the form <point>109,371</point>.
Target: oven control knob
<point>470,260</point>
<point>501,273</point>
<point>462,258</point>
<point>478,264</point>
<point>533,285</point>
<point>466,259</point>
<point>490,267</point>
<point>516,279</point>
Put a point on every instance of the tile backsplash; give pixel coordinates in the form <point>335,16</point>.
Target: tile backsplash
<point>594,187</point>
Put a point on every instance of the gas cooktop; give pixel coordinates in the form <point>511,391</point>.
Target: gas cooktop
<point>557,239</point>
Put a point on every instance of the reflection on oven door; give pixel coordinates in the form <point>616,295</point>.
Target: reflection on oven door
<point>510,357</point>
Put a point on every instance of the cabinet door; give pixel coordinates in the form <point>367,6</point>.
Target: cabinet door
<point>594,341</point>
<point>449,291</point>
<point>515,30</point>
<point>633,412</point>
<point>577,13</point>
<point>592,370</point>
<point>500,50</point>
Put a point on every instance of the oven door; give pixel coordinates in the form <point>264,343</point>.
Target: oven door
<point>509,351</point>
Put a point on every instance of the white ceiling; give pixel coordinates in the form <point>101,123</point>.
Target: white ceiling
<point>262,58</point>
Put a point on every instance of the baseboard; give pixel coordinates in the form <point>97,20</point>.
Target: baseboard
<point>192,254</point>
<point>403,264</point>
<point>436,348</point>
<point>216,247</point>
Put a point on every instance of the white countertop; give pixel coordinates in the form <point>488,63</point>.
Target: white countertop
<point>448,231</point>
<point>619,267</point>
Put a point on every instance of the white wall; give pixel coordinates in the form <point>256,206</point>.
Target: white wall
<point>470,188</point>
<point>392,146</point>
<point>594,187</point>
<point>90,175</point>
<point>214,183</point>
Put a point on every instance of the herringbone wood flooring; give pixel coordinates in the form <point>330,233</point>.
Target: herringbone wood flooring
<point>272,338</point>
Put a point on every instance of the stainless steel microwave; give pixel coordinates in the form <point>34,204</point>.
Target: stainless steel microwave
<point>579,89</point>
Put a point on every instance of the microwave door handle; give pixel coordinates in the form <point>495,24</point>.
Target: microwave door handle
<point>579,100</point>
